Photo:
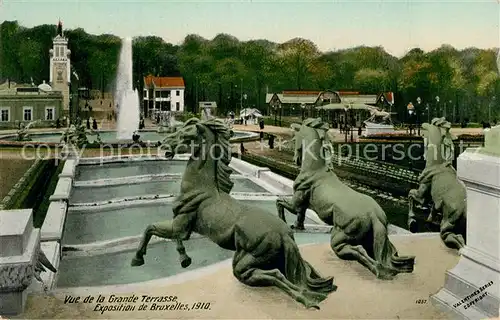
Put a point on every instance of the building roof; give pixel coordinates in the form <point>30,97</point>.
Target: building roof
<point>249,112</point>
<point>388,98</point>
<point>361,98</point>
<point>307,99</point>
<point>207,104</point>
<point>311,97</point>
<point>343,106</point>
<point>45,87</point>
<point>164,82</point>
<point>301,93</point>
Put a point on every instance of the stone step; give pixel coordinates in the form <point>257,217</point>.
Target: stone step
<point>444,300</point>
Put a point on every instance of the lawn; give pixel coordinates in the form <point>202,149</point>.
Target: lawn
<point>10,172</point>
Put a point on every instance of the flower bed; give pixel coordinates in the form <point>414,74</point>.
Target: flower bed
<point>406,137</point>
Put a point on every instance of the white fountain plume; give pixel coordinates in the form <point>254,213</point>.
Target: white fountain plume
<point>125,95</point>
<point>498,59</point>
<point>498,53</point>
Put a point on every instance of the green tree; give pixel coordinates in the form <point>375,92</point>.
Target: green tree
<point>372,80</point>
<point>297,56</point>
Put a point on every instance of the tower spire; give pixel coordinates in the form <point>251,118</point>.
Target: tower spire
<point>59,28</point>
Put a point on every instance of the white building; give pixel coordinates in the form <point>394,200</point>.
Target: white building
<point>163,94</point>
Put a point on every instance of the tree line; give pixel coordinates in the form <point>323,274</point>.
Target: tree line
<point>224,68</point>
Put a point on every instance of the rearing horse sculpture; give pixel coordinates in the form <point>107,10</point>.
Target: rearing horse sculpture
<point>439,185</point>
<point>265,250</point>
<point>359,223</point>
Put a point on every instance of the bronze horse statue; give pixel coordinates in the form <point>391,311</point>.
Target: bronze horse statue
<point>265,250</point>
<point>439,186</point>
<point>359,223</point>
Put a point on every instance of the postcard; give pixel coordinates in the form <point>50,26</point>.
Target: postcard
<point>250,159</point>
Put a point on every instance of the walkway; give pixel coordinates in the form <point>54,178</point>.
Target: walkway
<point>359,295</point>
<point>335,133</point>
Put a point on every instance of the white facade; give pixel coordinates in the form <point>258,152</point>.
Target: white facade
<point>161,97</point>
<point>177,99</point>
<point>472,288</point>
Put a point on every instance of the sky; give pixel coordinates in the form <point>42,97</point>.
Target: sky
<point>397,25</point>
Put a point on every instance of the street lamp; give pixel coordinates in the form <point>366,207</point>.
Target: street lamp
<point>410,112</point>
<point>245,97</point>
<point>279,108</point>
<point>303,109</point>
<point>345,123</point>
<point>437,104</point>
<point>241,93</point>
<point>428,108</point>
<point>419,101</point>
<point>489,108</point>
<point>275,115</point>
<point>450,102</point>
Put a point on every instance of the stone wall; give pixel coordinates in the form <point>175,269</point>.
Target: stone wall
<point>17,192</point>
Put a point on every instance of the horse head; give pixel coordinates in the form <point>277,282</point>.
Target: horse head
<point>312,135</point>
<point>208,141</point>
<point>438,141</point>
<point>183,138</point>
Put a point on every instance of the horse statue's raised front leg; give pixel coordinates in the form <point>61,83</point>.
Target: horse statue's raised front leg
<point>412,222</point>
<point>166,230</point>
<point>420,195</point>
<point>296,205</point>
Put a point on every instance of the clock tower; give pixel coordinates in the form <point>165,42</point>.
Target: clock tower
<point>60,67</point>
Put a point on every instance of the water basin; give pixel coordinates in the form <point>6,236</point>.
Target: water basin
<point>125,169</point>
<point>101,225</point>
<point>161,261</point>
<point>105,193</point>
<point>110,136</point>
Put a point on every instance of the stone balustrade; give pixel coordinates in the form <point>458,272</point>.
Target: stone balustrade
<point>18,257</point>
<point>21,244</point>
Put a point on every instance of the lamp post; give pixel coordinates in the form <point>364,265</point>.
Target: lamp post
<point>489,108</point>
<point>275,115</point>
<point>417,114</point>
<point>245,97</point>
<point>279,108</point>
<point>351,128</point>
<point>437,105</point>
<point>303,109</point>
<point>345,123</point>
<point>241,93</point>
<point>410,108</point>
<point>382,99</point>
<point>450,103</point>
<point>428,108</point>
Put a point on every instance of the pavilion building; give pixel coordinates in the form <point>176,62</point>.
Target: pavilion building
<point>332,106</point>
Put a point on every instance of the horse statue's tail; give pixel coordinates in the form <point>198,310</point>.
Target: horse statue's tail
<point>302,273</point>
<point>384,251</point>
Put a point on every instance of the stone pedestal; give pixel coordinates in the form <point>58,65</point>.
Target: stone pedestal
<point>472,287</point>
<point>20,243</point>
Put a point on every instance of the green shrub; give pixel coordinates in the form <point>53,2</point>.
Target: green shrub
<point>184,116</point>
<point>285,123</point>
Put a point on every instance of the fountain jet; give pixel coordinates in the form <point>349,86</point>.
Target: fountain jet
<point>125,95</point>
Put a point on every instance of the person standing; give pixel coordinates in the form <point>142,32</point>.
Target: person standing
<point>271,141</point>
